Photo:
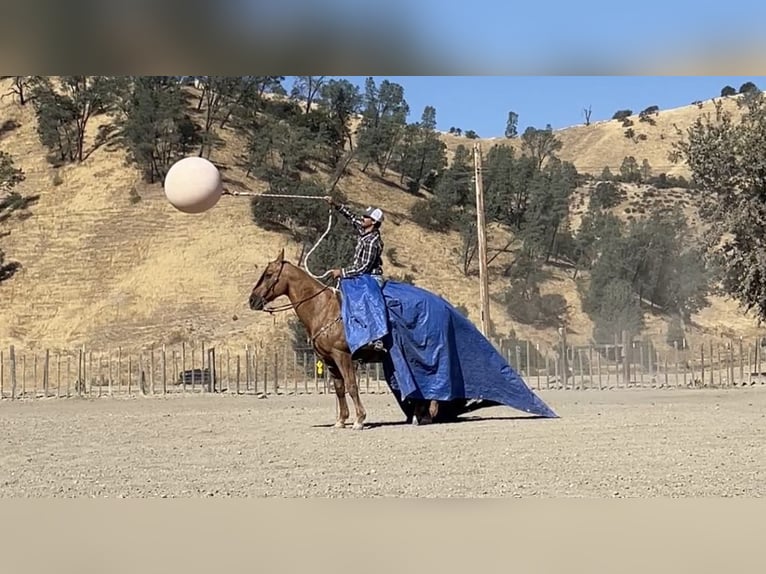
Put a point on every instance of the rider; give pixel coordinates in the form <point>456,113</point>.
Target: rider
<point>368,256</point>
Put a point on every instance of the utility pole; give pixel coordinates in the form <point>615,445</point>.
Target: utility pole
<point>482,241</point>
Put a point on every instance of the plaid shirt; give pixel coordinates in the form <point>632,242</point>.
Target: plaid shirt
<point>369,248</point>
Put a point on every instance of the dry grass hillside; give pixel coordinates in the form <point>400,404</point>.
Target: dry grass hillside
<point>108,262</point>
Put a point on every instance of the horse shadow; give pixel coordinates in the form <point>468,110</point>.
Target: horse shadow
<point>463,419</point>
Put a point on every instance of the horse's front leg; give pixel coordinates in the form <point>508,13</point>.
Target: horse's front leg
<point>346,366</point>
<point>340,397</point>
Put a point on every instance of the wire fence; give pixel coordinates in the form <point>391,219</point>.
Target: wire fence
<point>280,370</point>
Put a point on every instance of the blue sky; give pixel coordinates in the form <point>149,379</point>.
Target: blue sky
<point>482,103</point>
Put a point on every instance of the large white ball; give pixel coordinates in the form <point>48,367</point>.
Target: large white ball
<point>193,185</point>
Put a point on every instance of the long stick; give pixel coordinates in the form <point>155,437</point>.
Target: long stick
<point>482,242</point>
<point>275,195</point>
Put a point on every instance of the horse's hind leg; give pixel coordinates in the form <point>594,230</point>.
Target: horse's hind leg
<point>346,366</point>
<point>340,394</point>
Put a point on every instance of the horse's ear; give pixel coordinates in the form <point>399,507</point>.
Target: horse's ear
<point>281,256</point>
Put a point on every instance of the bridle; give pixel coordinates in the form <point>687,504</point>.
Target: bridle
<point>288,306</point>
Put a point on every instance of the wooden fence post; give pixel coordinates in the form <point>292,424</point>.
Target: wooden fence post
<point>164,371</point>
<point>12,366</point>
<point>46,372</point>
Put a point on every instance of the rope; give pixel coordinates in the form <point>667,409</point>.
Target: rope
<point>306,259</point>
<point>321,238</point>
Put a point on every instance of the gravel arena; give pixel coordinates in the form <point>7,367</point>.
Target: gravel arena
<point>610,443</point>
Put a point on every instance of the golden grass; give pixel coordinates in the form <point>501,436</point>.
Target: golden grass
<point>102,271</point>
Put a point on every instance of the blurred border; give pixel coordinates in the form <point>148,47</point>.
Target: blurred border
<point>345,38</point>
<point>383,535</point>
<point>397,37</point>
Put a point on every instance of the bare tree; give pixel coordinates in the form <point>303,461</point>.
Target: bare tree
<point>587,112</point>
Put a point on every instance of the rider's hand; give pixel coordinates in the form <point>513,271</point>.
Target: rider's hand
<point>335,273</point>
<point>329,199</point>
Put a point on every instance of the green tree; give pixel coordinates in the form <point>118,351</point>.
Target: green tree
<point>598,229</point>
<point>652,257</point>
<point>646,170</point>
<point>728,167</point>
<point>616,311</point>
<point>629,170</point>
<point>727,91</point>
<point>342,100</point>
<point>220,95</point>
<point>748,87</point>
<point>507,184</point>
<point>422,152</point>
<point>605,195</point>
<point>152,124</point>
<point>549,196</point>
<point>452,198</point>
<point>63,117</point>
<point>540,144</point>
<point>307,89</point>
<point>10,201</point>
<point>384,120</point>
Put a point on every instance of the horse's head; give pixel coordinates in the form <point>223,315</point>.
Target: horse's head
<point>270,285</point>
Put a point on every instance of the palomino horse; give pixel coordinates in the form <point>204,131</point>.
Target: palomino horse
<point>318,307</point>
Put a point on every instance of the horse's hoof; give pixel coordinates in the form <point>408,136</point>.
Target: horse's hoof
<point>339,425</point>
<point>358,426</point>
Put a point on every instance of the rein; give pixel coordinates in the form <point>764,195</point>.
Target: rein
<point>288,306</point>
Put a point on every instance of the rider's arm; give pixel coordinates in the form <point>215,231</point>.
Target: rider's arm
<point>355,220</point>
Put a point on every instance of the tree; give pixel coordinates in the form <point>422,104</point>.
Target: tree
<point>729,168</point>
<point>307,89</point>
<point>20,88</point>
<point>748,87</point>
<point>617,311</point>
<point>605,195</point>
<point>507,183</point>
<point>727,91</point>
<point>152,124</point>
<point>218,94</point>
<point>63,117</point>
<point>342,100</point>
<point>511,125</point>
<point>646,170</point>
<point>549,195</point>
<point>10,176</point>
<point>384,120</point>
<point>606,174</point>
<point>421,152</point>
<point>540,144</point>
<point>652,256</point>
<point>629,170</point>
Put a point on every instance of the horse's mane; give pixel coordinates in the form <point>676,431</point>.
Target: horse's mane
<point>316,281</point>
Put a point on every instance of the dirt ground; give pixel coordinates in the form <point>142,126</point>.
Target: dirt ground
<point>619,443</point>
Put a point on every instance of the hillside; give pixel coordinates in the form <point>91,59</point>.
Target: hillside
<point>103,268</point>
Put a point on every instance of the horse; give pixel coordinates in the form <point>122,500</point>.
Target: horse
<point>318,308</point>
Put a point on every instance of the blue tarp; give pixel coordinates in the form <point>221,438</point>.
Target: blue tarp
<point>434,352</point>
